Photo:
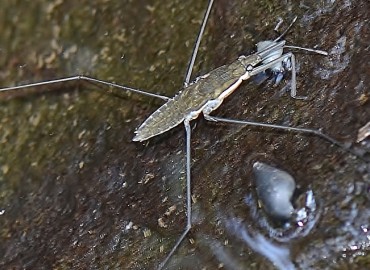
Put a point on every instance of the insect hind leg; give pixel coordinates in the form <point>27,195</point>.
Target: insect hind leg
<point>309,131</point>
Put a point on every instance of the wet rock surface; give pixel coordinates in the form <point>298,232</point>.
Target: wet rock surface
<point>76,192</point>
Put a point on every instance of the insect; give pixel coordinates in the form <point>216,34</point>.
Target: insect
<point>217,85</point>
<point>207,93</point>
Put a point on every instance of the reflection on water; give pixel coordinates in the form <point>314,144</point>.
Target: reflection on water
<point>278,254</point>
<point>300,226</point>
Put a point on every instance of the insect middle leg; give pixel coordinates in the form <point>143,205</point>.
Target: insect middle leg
<point>83,78</point>
<point>188,225</point>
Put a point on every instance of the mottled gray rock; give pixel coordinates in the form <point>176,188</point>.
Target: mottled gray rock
<point>275,188</point>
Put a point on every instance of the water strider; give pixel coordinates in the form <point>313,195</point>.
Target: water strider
<point>205,95</point>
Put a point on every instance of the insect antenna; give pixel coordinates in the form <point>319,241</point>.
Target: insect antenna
<point>286,30</point>
<point>307,49</point>
<point>296,47</point>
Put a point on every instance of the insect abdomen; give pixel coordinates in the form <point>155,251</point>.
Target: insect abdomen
<point>162,120</point>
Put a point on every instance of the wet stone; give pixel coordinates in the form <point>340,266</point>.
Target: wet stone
<point>275,189</point>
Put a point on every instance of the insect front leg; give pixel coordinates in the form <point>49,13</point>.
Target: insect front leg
<point>293,89</point>
<point>283,58</point>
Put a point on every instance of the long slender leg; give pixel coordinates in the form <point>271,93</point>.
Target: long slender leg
<point>197,43</point>
<point>188,196</point>
<point>293,90</point>
<point>82,78</point>
<point>315,132</point>
<point>188,143</point>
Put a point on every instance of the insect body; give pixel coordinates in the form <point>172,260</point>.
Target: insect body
<point>204,95</point>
